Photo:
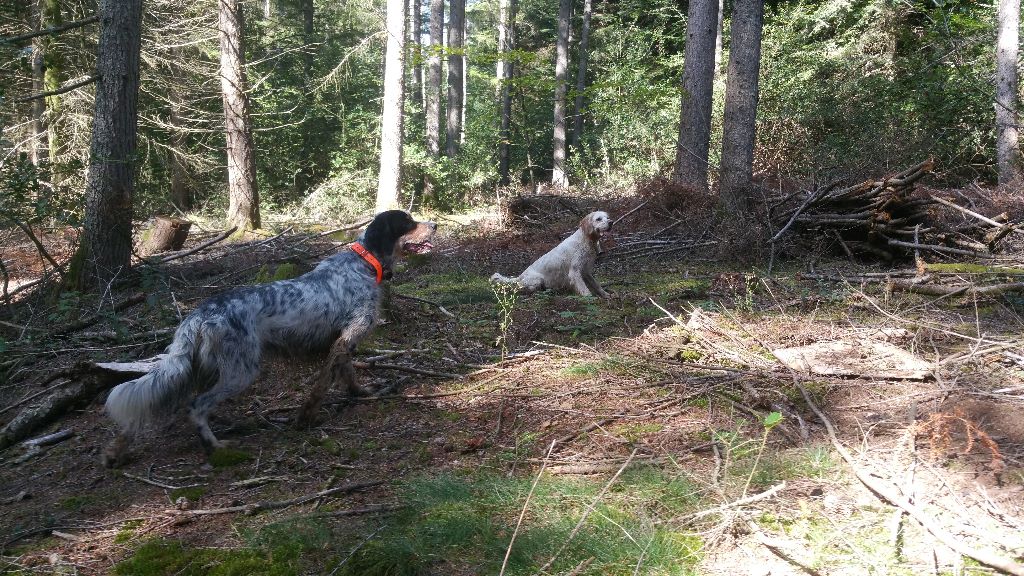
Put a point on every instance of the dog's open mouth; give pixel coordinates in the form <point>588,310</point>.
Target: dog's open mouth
<point>417,247</point>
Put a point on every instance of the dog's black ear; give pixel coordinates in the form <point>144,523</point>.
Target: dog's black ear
<point>587,225</point>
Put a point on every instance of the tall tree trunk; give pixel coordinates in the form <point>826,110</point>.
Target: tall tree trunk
<point>698,81</point>
<point>416,50</point>
<point>243,197</point>
<point>40,144</point>
<point>559,177</point>
<point>581,75</point>
<point>1007,45</point>
<point>465,76</point>
<point>433,88</point>
<point>181,197</point>
<point>718,37</point>
<point>432,94</point>
<point>304,175</point>
<point>106,244</point>
<point>741,95</point>
<point>506,69</point>
<point>456,25</point>
<point>389,181</point>
<point>53,64</point>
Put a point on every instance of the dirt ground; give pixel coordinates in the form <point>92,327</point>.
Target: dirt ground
<point>604,407</point>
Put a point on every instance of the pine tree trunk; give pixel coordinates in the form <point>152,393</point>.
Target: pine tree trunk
<point>181,197</point>
<point>456,25</point>
<point>559,178</point>
<point>307,166</point>
<point>389,181</point>
<point>433,88</point>
<point>581,75</point>
<point>741,95</point>
<point>506,69</point>
<point>695,108</point>
<point>718,37</point>
<point>243,197</point>
<point>1008,158</point>
<point>53,64</point>
<point>465,76</point>
<point>106,244</point>
<point>40,143</point>
<point>416,51</point>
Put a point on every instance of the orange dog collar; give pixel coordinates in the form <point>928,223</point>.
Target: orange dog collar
<point>370,259</point>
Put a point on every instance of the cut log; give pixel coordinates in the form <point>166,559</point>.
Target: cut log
<point>166,233</point>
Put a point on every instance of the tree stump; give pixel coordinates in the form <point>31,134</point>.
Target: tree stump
<point>167,233</point>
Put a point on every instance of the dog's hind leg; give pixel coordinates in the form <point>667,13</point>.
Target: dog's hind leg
<point>338,369</point>
<point>237,368</point>
<point>116,453</point>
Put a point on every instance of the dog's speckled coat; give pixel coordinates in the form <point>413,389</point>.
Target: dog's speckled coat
<point>217,349</point>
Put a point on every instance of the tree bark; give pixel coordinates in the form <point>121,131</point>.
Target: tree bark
<point>389,181</point>
<point>741,95</point>
<point>53,63</point>
<point>106,244</point>
<point>307,165</point>
<point>1007,46</point>
<point>581,74</point>
<point>506,69</point>
<point>181,196</point>
<point>433,88</point>
<point>695,108</point>
<point>718,37</point>
<point>559,177</point>
<point>40,142</point>
<point>465,77</point>
<point>456,26</point>
<point>243,197</point>
<point>416,50</point>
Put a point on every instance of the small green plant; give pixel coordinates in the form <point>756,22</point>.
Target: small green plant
<point>770,421</point>
<point>506,295</point>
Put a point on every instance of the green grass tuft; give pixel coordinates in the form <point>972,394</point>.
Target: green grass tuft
<point>463,524</point>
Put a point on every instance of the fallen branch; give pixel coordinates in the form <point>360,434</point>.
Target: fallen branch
<point>892,495</point>
<point>132,300</point>
<point>257,507</point>
<point>168,257</point>
<point>734,504</point>
<point>425,301</point>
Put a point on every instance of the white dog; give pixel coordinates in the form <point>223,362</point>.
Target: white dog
<point>570,265</point>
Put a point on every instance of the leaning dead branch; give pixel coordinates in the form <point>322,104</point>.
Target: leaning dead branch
<point>258,507</point>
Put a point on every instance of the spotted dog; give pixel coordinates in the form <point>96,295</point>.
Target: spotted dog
<point>568,266</point>
<point>217,349</point>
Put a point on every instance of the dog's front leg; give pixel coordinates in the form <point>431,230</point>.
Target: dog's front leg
<point>338,369</point>
<point>595,287</point>
<point>578,283</point>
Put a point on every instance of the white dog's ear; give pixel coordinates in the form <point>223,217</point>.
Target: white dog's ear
<point>587,225</point>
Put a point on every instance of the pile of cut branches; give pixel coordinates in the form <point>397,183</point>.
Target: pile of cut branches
<point>890,218</point>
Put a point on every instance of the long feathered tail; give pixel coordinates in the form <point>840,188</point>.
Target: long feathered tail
<point>138,401</point>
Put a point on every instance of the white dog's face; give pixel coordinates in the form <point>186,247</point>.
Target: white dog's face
<point>595,224</point>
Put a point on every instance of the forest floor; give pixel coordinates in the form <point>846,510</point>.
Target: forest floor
<point>652,433</point>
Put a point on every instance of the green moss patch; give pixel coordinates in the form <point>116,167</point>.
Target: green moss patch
<point>227,457</point>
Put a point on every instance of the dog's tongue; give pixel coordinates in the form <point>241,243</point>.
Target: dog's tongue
<point>419,247</point>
